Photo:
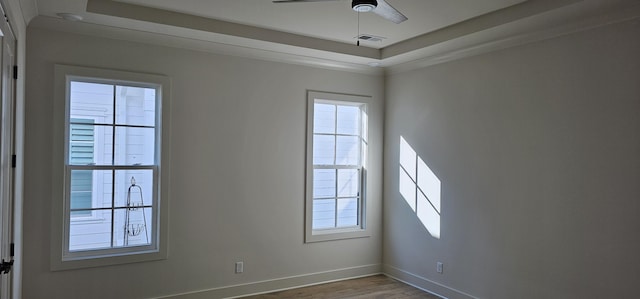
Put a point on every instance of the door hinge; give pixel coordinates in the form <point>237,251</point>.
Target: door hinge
<point>13,161</point>
<point>15,72</point>
<point>5,267</point>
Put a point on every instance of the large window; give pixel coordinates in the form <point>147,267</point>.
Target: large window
<point>112,167</point>
<point>336,166</point>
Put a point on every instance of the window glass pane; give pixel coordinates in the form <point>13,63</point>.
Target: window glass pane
<point>135,146</point>
<point>324,183</point>
<point>94,234</point>
<point>103,145</point>
<point>348,182</point>
<point>89,144</point>
<point>347,212</point>
<point>135,106</point>
<point>90,189</point>
<point>348,120</point>
<point>324,118</point>
<point>324,213</point>
<point>363,125</point>
<point>132,227</point>
<point>81,191</point>
<point>136,185</point>
<point>347,150</point>
<point>81,141</point>
<point>323,149</point>
<point>92,100</point>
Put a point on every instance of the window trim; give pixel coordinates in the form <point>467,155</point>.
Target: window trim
<point>59,229</point>
<point>357,231</point>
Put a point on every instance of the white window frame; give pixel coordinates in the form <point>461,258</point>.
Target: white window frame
<point>61,257</point>
<point>360,230</point>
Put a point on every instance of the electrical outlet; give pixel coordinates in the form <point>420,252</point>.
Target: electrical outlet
<point>439,267</point>
<point>239,267</point>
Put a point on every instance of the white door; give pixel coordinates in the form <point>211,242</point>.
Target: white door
<point>7,113</point>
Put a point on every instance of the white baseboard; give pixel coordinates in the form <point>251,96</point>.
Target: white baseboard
<point>425,284</point>
<point>279,284</point>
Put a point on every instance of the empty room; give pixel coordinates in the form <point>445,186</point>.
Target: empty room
<point>230,148</point>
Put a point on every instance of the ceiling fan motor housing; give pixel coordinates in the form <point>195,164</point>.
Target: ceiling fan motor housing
<point>364,5</point>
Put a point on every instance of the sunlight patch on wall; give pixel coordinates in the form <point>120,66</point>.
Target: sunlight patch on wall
<point>420,188</point>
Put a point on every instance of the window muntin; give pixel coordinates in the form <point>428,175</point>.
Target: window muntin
<point>337,145</point>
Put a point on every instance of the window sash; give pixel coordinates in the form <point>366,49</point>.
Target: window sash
<point>336,197</point>
<point>69,254</point>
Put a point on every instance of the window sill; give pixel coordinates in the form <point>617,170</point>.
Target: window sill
<point>335,234</point>
<point>99,260</point>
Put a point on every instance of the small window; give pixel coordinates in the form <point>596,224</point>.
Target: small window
<point>112,168</point>
<point>336,166</point>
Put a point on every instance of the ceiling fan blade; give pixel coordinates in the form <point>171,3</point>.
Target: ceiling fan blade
<point>387,11</point>
<point>300,1</point>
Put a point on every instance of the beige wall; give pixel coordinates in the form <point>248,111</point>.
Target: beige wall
<point>538,151</point>
<point>237,181</point>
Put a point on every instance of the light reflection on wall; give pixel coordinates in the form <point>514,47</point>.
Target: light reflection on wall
<point>420,188</point>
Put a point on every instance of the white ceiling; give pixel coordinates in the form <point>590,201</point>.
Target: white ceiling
<point>323,32</point>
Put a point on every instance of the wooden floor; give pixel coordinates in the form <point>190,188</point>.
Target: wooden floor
<point>378,286</point>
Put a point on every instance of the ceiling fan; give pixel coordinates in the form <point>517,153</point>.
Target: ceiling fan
<point>379,7</point>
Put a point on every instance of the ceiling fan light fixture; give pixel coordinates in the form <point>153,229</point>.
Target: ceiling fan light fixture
<point>364,5</point>
<point>70,16</point>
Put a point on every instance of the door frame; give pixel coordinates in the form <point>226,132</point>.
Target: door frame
<point>7,151</point>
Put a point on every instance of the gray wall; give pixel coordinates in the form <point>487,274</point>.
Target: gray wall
<point>538,151</point>
<point>237,181</point>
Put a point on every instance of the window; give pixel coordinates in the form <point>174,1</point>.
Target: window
<point>336,166</point>
<point>112,173</point>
